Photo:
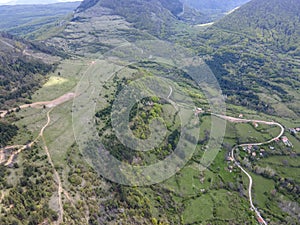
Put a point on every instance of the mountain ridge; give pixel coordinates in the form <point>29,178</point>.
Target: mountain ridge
<point>104,24</point>
<point>25,20</point>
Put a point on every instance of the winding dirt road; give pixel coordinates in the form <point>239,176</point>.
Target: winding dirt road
<point>171,91</point>
<point>239,120</point>
<point>2,196</point>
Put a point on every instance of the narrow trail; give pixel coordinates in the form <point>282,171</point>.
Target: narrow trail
<point>171,91</point>
<point>239,120</point>
<point>2,151</point>
<point>259,217</point>
<point>7,44</point>
<point>60,188</point>
<point>20,149</point>
<point>2,196</point>
<point>172,102</point>
<point>57,177</point>
<point>12,147</point>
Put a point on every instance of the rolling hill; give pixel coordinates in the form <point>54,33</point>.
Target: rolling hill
<point>274,23</point>
<point>34,2</point>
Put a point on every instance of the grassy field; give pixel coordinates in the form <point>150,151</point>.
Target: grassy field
<point>198,210</point>
<point>60,130</point>
<point>63,80</point>
<point>262,188</point>
<point>221,205</point>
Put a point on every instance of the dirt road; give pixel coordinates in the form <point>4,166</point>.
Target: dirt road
<point>48,104</point>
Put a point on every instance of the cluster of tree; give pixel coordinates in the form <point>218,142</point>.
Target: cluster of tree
<point>7,132</point>
<point>27,200</point>
<point>288,187</point>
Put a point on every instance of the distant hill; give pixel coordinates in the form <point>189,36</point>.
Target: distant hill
<point>142,13</point>
<point>175,6</point>
<point>214,8</point>
<point>26,19</point>
<point>36,2</point>
<point>92,29</point>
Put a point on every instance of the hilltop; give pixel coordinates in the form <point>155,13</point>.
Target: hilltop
<point>274,23</point>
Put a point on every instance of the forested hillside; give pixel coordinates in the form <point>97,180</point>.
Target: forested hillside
<point>158,17</point>
<point>98,26</point>
<point>254,52</point>
<point>7,131</point>
<point>23,66</point>
<point>247,50</point>
<point>274,23</point>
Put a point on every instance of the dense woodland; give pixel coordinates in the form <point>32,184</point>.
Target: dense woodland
<point>28,199</point>
<point>7,131</point>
